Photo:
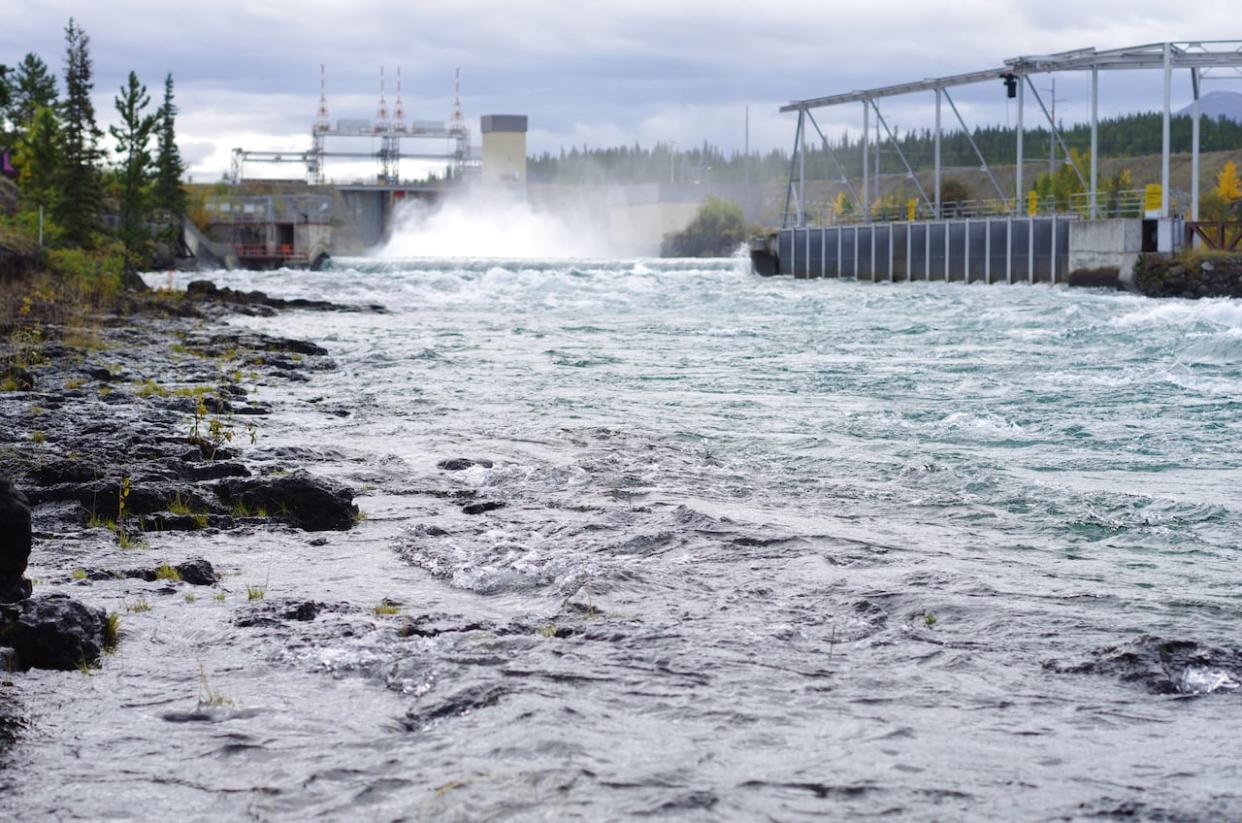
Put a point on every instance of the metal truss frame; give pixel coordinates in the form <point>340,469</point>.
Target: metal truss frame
<point>1204,59</point>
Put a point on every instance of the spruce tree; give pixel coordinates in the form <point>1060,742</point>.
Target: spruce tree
<point>168,198</point>
<point>38,161</point>
<point>78,210</point>
<point>135,170</point>
<point>34,87</point>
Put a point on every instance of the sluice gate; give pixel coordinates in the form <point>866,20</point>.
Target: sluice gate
<point>977,250</point>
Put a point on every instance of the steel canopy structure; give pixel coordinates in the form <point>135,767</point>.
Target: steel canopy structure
<point>1199,57</point>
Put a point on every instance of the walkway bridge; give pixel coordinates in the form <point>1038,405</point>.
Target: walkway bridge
<point>1008,240</point>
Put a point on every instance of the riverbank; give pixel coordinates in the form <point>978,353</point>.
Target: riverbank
<point>1191,274</point>
<point>130,418</point>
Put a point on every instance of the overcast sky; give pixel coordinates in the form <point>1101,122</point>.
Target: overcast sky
<point>595,73</point>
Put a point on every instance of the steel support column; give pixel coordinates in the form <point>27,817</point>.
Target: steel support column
<point>1194,146</point>
<point>802,169</point>
<point>936,210</point>
<point>1019,194</point>
<point>866,192</point>
<point>1165,146</point>
<point>1095,139</point>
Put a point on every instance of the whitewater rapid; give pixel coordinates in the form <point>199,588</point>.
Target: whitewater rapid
<point>753,549</point>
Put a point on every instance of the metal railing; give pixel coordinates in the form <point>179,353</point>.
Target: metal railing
<point>1126,203</point>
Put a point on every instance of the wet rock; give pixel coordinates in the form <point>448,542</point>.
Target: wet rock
<point>305,611</point>
<point>60,470</point>
<point>307,502</point>
<point>482,507</point>
<point>53,632</point>
<point>456,464</point>
<point>198,471</point>
<point>467,700</point>
<point>272,613</point>
<point>1164,666</point>
<point>198,572</point>
<point>15,540</point>
<point>205,290</point>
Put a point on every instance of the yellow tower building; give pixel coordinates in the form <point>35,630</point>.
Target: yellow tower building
<point>504,148</point>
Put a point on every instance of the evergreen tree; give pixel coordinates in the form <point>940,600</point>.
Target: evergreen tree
<point>34,87</point>
<point>78,210</point>
<point>168,198</point>
<point>38,161</point>
<point>135,170</point>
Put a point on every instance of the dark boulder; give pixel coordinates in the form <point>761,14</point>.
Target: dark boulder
<point>482,507</point>
<point>457,464</point>
<point>307,502</point>
<point>53,632</point>
<point>14,543</point>
<point>198,572</point>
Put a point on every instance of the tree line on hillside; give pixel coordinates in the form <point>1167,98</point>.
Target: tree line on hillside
<point>1129,135</point>
<point>96,210</point>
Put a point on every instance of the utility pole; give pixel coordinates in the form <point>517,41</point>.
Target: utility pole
<point>1052,118</point>
<point>878,148</point>
<point>746,153</point>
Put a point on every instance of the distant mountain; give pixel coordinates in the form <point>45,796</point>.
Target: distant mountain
<point>1216,104</point>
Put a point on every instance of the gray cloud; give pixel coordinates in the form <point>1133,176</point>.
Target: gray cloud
<point>597,73</point>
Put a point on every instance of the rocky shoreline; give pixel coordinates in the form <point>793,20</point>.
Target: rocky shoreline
<point>1191,275</point>
<point>135,420</point>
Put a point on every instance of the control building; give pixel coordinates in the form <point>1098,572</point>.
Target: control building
<point>504,149</point>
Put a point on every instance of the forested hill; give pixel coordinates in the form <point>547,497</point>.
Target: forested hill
<point>1129,136</point>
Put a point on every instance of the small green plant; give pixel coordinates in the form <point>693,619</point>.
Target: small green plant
<point>190,597</point>
<point>127,541</point>
<point>112,632</point>
<point>182,508</point>
<point>84,666</point>
<point>139,605</point>
<point>240,509</point>
<point>149,388</point>
<point>104,391</point>
<point>208,696</point>
<point>38,437</point>
<point>255,592</point>
<point>386,607</point>
<point>167,572</point>
<point>74,383</point>
<point>79,574</point>
<point>547,631</point>
<point>929,619</point>
<point>35,411</point>
<point>97,522</point>
<point>219,597</point>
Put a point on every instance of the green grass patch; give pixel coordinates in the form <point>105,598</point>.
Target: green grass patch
<point>112,632</point>
<point>167,572</point>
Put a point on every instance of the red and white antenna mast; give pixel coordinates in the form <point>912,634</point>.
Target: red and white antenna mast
<point>457,123</point>
<point>321,119</point>
<point>398,114</point>
<point>382,116</point>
